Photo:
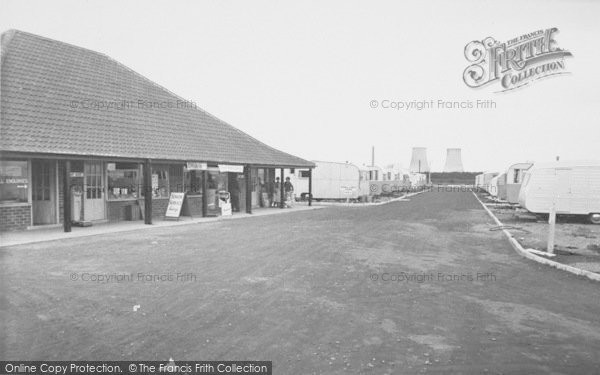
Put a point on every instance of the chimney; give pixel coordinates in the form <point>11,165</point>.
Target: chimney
<point>372,156</point>
<point>453,161</point>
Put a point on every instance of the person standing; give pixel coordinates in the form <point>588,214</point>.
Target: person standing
<point>289,192</point>
<point>234,191</point>
<point>276,193</point>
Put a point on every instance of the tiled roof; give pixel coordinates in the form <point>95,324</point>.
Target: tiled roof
<point>48,89</point>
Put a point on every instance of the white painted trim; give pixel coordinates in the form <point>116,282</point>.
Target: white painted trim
<point>521,251</point>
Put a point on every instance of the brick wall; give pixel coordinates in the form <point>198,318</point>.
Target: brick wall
<point>15,218</point>
<point>195,205</point>
<point>159,207</point>
<point>117,210</point>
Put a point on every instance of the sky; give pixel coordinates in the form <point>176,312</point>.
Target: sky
<point>301,76</point>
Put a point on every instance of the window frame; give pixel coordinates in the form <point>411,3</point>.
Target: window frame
<point>27,177</point>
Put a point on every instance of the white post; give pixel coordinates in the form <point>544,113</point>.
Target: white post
<point>552,222</point>
<point>552,219</point>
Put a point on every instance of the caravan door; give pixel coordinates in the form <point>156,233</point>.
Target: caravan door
<point>564,194</point>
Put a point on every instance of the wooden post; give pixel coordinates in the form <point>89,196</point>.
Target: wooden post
<point>248,178</point>
<point>204,193</point>
<point>281,192</point>
<point>67,196</point>
<point>310,187</point>
<point>148,192</point>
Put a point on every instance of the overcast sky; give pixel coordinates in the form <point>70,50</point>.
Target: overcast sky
<point>300,75</point>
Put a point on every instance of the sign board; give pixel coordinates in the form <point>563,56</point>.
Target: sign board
<point>10,170</point>
<point>175,205</point>
<point>348,190</point>
<point>111,166</point>
<point>231,168</point>
<point>196,166</point>
<point>76,174</point>
<point>226,209</point>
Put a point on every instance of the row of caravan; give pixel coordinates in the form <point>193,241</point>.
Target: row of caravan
<point>573,187</point>
<point>342,181</point>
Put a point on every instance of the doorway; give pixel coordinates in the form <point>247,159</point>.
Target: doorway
<point>43,185</point>
<point>93,191</point>
<point>563,190</point>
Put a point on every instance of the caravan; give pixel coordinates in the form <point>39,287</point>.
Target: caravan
<point>514,178</point>
<point>502,193</point>
<point>493,187</point>
<point>484,180</point>
<point>573,186</point>
<point>332,181</point>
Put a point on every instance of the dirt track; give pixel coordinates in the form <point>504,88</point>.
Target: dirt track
<point>311,291</point>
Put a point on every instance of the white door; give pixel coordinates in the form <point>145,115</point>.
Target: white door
<point>43,192</point>
<point>93,191</point>
<point>563,190</point>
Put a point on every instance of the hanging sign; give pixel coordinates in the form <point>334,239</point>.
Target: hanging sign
<point>196,166</point>
<point>231,168</point>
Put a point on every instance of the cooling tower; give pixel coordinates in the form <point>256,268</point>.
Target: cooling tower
<point>418,162</point>
<point>453,161</point>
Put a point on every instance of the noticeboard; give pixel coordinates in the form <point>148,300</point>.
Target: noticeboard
<point>175,205</point>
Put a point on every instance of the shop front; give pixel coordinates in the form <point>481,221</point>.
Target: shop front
<point>68,164</point>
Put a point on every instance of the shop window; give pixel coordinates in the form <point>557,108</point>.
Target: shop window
<point>160,183</point>
<point>193,182</point>
<point>14,181</point>
<point>176,178</point>
<point>123,181</point>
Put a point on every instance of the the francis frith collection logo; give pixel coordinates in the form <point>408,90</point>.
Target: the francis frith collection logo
<point>514,63</point>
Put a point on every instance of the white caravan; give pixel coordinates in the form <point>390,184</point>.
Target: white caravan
<point>514,179</point>
<point>331,180</point>
<point>484,180</point>
<point>575,186</point>
<point>493,186</point>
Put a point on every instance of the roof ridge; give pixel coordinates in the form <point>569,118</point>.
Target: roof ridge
<point>17,31</point>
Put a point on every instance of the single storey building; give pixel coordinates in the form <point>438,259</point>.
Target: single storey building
<point>85,139</point>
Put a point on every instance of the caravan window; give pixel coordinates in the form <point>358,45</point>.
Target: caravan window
<point>517,176</point>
